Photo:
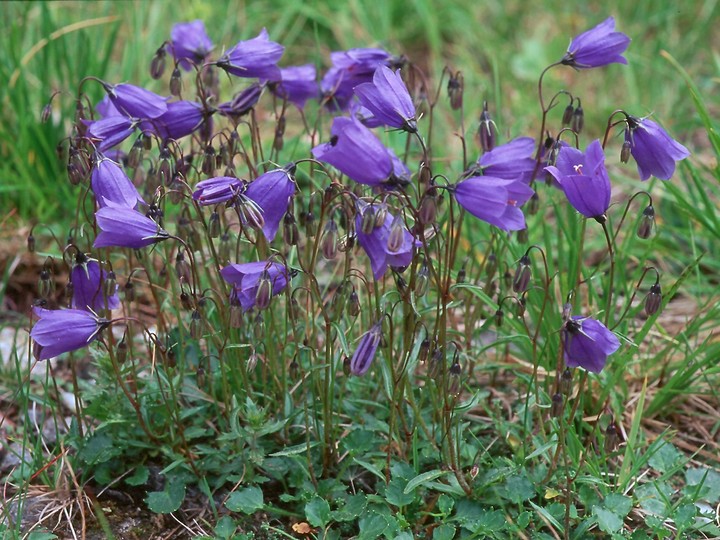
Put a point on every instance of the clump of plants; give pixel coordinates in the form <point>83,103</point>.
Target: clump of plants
<point>296,307</point>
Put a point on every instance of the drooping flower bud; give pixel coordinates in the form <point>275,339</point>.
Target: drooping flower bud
<point>521,305</point>
<point>424,351</point>
<point>422,280</point>
<point>291,235</point>
<point>427,212</point>
<point>214,225</point>
<point>568,114</point>
<point>396,237</point>
<point>31,243</point>
<point>455,372</point>
<point>653,300</point>
<point>157,65</point>
<point>566,382</point>
<point>330,240</point>
<point>499,317</point>
<point>523,273</point>
<point>264,291</point>
<point>626,150</point>
<point>46,112</point>
<point>236,312</point>
<point>647,221</point>
<point>129,290</point>
<point>578,119</point>
<point>533,204</point>
<point>176,83</point>
<point>135,156</point>
<point>109,284</point>
<point>252,361</point>
<point>196,325</point>
<point>490,266</point>
<point>278,140</point>
<point>209,160</point>
<point>368,221</point>
<point>611,438</point>
<point>556,409</point>
<point>353,304</point>
<point>121,351</point>
<point>455,88</point>
<point>225,247</point>
<point>486,130</point>
<point>46,285</point>
<point>365,353</point>
<point>182,268</point>
<point>185,300</point>
<point>310,226</point>
<point>522,236</point>
<point>347,370</point>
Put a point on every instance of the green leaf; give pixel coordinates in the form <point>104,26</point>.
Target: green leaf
<point>225,527</point>
<point>247,500</point>
<point>168,500</point>
<point>372,526</point>
<point>36,535</point>
<point>444,532</point>
<point>612,512</point>
<point>295,450</point>
<point>445,504</point>
<point>317,512</point>
<point>518,489</point>
<point>354,507</point>
<point>138,477</point>
<point>665,458</point>
<point>396,494</point>
<point>703,484</point>
<point>424,478</point>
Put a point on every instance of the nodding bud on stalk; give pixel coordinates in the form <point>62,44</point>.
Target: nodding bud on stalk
<point>368,221</point>
<point>121,351</point>
<point>209,160</point>
<point>611,438</point>
<point>46,112</point>
<point>556,408</point>
<point>566,311</point>
<point>31,243</point>
<point>236,312</point>
<point>165,166</point>
<point>486,130</point>
<point>109,284</point>
<point>625,152</point>
<point>523,273</point>
<point>291,235</point>
<point>176,82</point>
<point>214,225</point>
<point>647,221</point>
<point>396,236</point>
<point>195,325</point>
<point>346,366</point>
<point>278,141</point>
<point>78,166</point>
<point>568,114</point>
<point>533,204</point>
<point>523,236</point>
<point>490,266</point>
<point>45,284</point>
<point>330,240</point>
<point>135,156</point>
<point>521,305</point>
<point>424,350</point>
<point>499,317</point>
<point>422,280</point>
<point>354,304</point>
<point>129,290</point>
<point>566,382</point>
<point>252,361</point>
<point>310,226</point>
<point>157,65</point>
<point>365,353</point>
<point>428,207</point>
<point>455,371</point>
<point>185,300</point>
<point>455,90</point>
<point>225,247</point>
<point>578,119</point>
<point>654,299</point>
<point>182,268</point>
<point>264,291</point>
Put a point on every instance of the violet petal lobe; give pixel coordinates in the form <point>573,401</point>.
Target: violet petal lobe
<point>64,330</point>
<point>272,192</point>
<point>297,84</point>
<point>588,343</point>
<point>257,57</point>
<point>597,47</point>
<point>245,277</point>
<point>217,190</point>
<point>367,348</point>
<point>511,161</point>
<point>494,200</point>
<point>125,227</point>
<point>87,278</point>
<point>189,43</point>
<point>388,99</point>
<point>181,119</point>
<point>654,151</point>
<point>136,102</point>
<point>110,183</point>
<point>110,131</point>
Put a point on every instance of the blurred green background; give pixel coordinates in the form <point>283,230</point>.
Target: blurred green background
<point>501,47</point>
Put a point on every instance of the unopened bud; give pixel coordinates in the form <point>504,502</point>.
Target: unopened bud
<point>499,317</point>
<point>567,115</point>
<point>176,82</point>
<point>214,225</point>
<point>626,148</point>
<point>367,223</point>
<point>455,371</point>
<point>259,328</point>
<point>291,235</point>
<point>31,243</point>
<point>347,369</point>
<point>353,304</point>
<point>185,300</point>
<point>490,266</point>
<point>310,225</point>
<point>424,350</point>
<point>611,438</point>
<point>523,273</point>
<point>236,313</point>
<point>567,311</point>
<point>195,325</point>
<point>294,367</point>
<point>121,351</point>
<point>46,112</point>
<point>129,290</point>
<point>566,382</point>
<point>534,204</point>
<point>264,291</point>
<point>486,130</point>
<point>455,90</point>
<point>252,362</point>
<point>157,65</point>
<point>135,156</point>
<point>278,141</point>
<point>556,409</point>
<point>225,248</point>
<point>209,160</point>
<point>330,241</point>
<point>647,221</point>
<point>182,268</point>
<point>578,119</point>
<point>422,280</point>
<point>427,213</point>
<point>109,284</point>
<point>653,300</point>
<point>521,304</point>
<point>45,284</point>
<point>522,236</point>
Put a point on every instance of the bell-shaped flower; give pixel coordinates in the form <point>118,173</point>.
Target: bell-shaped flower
<point>272,192</point>
<point>181,119</point>
<point>354,150</point>
<point>111,185</point>
<point>242,103</point>
<point>88,277</point>
<point>297,84</point>
<point>597,47</point>
<point>365,353</point>
<point>64,330</point>
<point>136,102</point>
<point>110,131</point>
<point>388,244</point>
<point>655,152</point>
<point>584,179</point>
<point>106,109</point>
<point>349,69</point>
<point>510,161</point>
<point>217,190</point>
<point>587,343</point>
<point>388,99</point>
<point>494,200</point>
<point>257,57</point>
<point>246,279</point>
<point>125,227</point>
<point>190,44</point>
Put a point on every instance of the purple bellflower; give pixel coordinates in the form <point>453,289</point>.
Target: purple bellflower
<point>365,353</point>
<point>584,179</point>
<point>181,119</point>
<point>112,186</point>
<point>110,131</point>
<point>64,330</point>
<point>389,244</point>
<point>597,47</point>
<point>242,103</point>
<point>510,161</point>
<point>388,99</point>
<point>364,114</point>
<point>257,57</point>
<point>190,44</point>
<point>349,69</point>
<point>217,190</point>
<point>124,227</point>
<point>87,277</point>
<point>106,109</point>
<point>355,151</point>
<point>587,343</point>
<point>246,278</point>
<point>297,84</point>
<point>272,192</point>
<point>136,102</point>
<point>655,152</point>
<point>494,200</point>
